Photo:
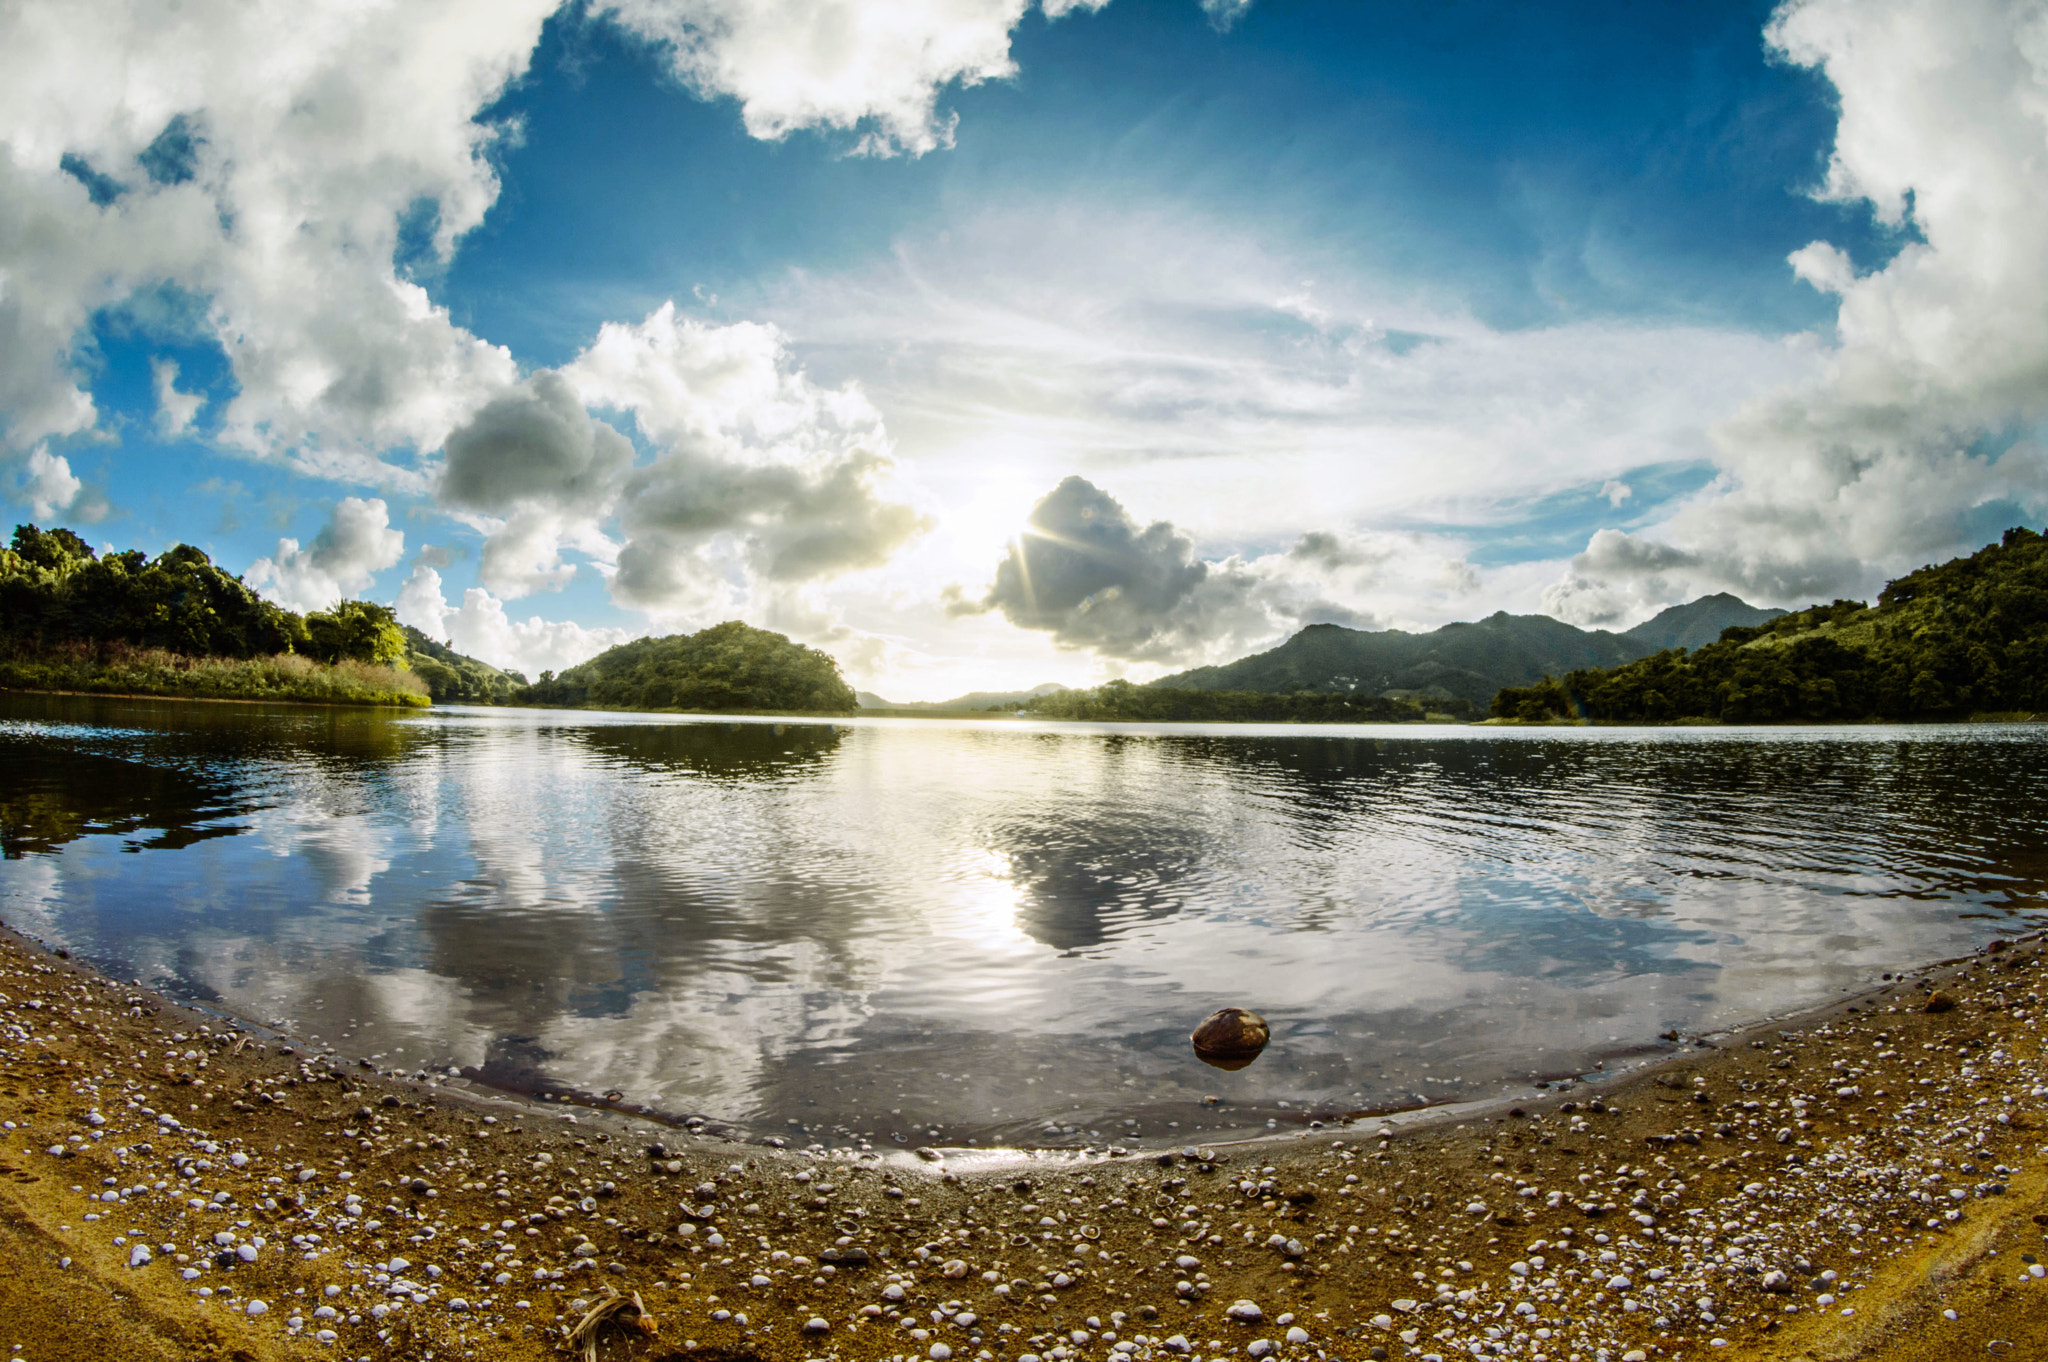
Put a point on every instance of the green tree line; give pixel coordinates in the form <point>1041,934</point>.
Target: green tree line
<point>1969,636</point>
<point>55,590</point>
<point>1121,701</point>
<point>178,624</point>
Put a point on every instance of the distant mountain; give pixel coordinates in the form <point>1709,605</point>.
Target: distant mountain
<point>1470,661</point>
<point>978,699</point>
<point>1698,623</point>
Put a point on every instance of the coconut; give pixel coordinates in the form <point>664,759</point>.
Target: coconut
<point>1230,1038</point>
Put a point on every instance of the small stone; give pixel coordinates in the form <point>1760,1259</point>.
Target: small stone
<point>1297,1335</point>
<point>1259,1347</point>
<point>1244,1312</point>
<point>816,1325</point>
<point>139,1255</point>
<point>939,1352</point>
<point>1939,1001</point>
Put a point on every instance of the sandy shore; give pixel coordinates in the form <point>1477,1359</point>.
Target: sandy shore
<point>174,1186</point>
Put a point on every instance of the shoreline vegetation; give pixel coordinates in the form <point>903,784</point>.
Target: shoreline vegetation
<point>1967,637</point>
<point>115,670</point>
<point>179,626</point>
<point>73,621</point>
<point>1965,641</point>
<point>1861,1181</point>
<point>1124,702</point>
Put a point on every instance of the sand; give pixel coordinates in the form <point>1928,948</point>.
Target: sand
<point>1824,1188</point>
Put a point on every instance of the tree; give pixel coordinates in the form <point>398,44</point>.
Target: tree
<point>358,631</point>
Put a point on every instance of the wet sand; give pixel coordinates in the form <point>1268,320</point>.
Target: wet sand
<point>174,1185</point>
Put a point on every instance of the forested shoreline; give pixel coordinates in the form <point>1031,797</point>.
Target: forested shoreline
<point>72,619</point>
<point>1965,638</point>
<point>1124,702</point>
<point>180,625</point>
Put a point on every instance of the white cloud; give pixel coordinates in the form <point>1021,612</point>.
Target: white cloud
<point>1091,576</point>
<point>763,476</point>
<point>421,604</point>
<point>1621,577</point>
<point>48,485</point>
<point>299,135</point>
<point>1225,13</point>
<point>1884,457</point>
<point>481,628</point>
<point>175,411</point>
<point>1189,362</point>
<point>356,544</point>
<point>876,66</point>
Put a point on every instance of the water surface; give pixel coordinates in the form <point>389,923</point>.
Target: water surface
<point>911,930</point>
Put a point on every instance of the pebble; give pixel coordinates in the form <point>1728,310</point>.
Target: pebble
<point>1637,1214</point>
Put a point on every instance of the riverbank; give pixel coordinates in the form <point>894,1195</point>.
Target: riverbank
<point>174,1185</point>
<point>151,673</point>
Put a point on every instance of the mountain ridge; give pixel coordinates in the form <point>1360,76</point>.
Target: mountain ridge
<point>1695,624</point>
<point>974,699</point>
<point>1472,660</point>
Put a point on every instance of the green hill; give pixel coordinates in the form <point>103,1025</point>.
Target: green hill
<point>455,679</point>
<point>729,666</point>
<point>1967,637</point>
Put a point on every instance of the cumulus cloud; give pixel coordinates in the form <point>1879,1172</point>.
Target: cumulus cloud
<point>760,477</point>
<point>760,471</point>
<point>873,66</point>
<point>1888,455</point>
<point>266,158</point>
<point>481,628</point>
<point>545,473</point>
<point>1621,577</point>
<point>1086,572</point>
<point>48,485</point>
<point>355,545</point>
<point>175,411</point>
<point>260,157</point>
<point>534,444</point>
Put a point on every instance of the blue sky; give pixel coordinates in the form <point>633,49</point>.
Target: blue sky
<point>1551,307</point>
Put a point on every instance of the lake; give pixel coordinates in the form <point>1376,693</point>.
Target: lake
<point>923,931</point>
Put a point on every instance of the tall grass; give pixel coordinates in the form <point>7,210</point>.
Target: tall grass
<point>117,669</point>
